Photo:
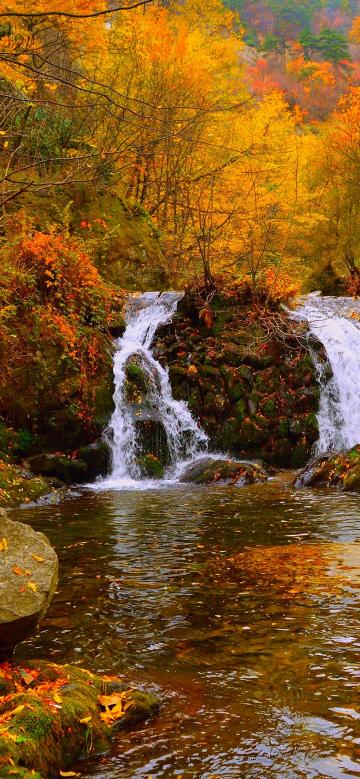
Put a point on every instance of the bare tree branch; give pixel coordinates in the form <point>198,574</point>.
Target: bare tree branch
<point>75,16</point>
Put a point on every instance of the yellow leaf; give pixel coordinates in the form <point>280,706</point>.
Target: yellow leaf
<point>37,558</point>
<point>57,698</point>
<point>85,720</point>
<point>32,586</point>
<point>4,546</point>
<point>17,710</point>
<point>69,773</point>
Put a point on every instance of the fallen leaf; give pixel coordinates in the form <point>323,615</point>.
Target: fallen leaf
<point>32,586</point>
<point>37,558</point>
<point>85,720</point>
<point>4,546</point>
<point>19,571</point>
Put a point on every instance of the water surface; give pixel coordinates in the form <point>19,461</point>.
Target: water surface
<point>256,660</point>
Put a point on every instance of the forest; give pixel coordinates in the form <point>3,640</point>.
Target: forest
<point>179,388</point>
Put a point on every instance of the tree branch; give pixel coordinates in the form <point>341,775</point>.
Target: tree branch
<point>76,16</point>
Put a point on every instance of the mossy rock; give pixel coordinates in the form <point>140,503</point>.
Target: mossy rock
<point>269,407</point>
<point>300,454</point>
<point>230,435</point>
<point>97,457</point>
<point>268,381</point>
<point>254,431</point>
<point>19,486</point>
<point>58,716</point>
<point>150,466</point>
<point>240,409</point>
<point>208,471</point>
<point>63,467</point>
<point>136,375</point>
<point>340,471</point>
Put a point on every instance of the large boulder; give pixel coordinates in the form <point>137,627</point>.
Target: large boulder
<point>28,579</point>
<point>209,470</point>
<point>340,470</point>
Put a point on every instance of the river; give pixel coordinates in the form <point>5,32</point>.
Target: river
<point>257,664</point>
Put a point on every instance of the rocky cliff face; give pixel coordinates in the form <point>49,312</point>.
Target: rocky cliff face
<point>249,378</point>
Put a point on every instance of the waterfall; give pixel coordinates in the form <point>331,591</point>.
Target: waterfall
<point>335,323</point>
<point>185,439</point>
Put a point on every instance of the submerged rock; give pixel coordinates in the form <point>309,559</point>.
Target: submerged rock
<point>340,471</point>
<point>28,578</point>
<point>55,715</point>
<point>209,471</point>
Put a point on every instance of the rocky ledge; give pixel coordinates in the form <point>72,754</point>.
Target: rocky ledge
<point>339,470</point>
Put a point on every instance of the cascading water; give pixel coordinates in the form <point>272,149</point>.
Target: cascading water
<point>185,439</point>
<point>334,323</point>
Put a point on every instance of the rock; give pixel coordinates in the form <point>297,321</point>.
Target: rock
<point>60,465</point>
<point>47,737</point>
<point>97,457</point>
<point>339,470</point>
<point>28,578</point>
<point>150,466</point>
<point>18,485</point>
<point>209,471</point>
<point>118,327</point>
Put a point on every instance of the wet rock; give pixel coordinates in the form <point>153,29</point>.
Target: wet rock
<point>97,457</point>
<point>340,471</point>
<point>48,736</point>
<point>208,471</point>
<point>61,466</point>
<point>150,466</point>
<point>28,578</point>
<point>250,390</point>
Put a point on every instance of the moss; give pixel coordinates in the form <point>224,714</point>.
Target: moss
<point>151,466</point>
<point>240,409</point>
<point>16,487</point>
<point>47,733</point>
<point>18,773</point>
<point>136,375</point>
<point>269,407</point>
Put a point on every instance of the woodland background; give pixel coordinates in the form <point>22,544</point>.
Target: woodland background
<point>161,145</point>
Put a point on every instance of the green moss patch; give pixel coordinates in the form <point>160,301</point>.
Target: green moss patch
<point>50,716</point>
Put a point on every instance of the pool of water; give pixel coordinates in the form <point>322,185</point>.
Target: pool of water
<point>238,607</point>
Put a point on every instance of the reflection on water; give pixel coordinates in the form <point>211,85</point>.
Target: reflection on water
<point>240,607</point>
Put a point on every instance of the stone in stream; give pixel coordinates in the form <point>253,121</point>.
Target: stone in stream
<point>340,470</point>
<point>208,470</point>
<point>28,578</point>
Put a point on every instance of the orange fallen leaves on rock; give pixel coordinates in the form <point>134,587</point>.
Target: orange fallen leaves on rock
<point>114,706</point>
<point>19,571</point>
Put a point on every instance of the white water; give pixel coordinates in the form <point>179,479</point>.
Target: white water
<point>333,321</point>
<point>185,439</point>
